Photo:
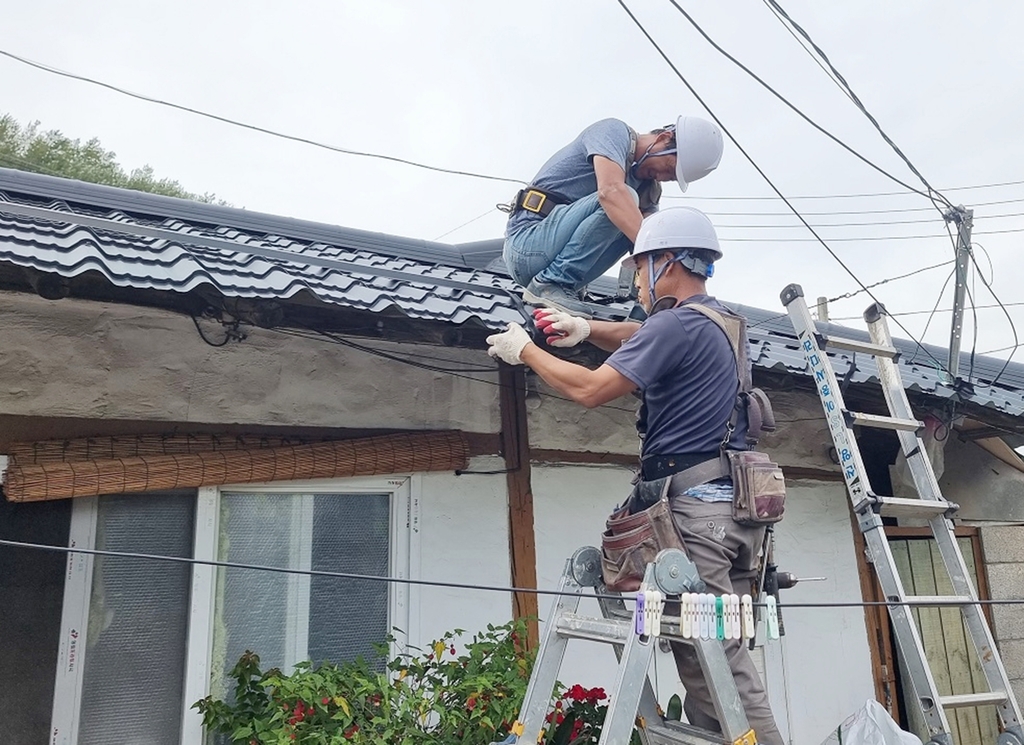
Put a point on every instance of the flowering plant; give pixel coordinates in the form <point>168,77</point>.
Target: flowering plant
<point>434,696</point>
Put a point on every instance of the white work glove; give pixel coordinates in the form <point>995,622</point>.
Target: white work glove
<point>560,328</point>
<point>508,345</point>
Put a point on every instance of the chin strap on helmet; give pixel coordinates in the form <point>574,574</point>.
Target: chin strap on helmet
<point>648,154</point>
<point>693,263</point>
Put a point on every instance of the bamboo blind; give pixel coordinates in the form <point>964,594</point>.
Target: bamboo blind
<point>35,473</point>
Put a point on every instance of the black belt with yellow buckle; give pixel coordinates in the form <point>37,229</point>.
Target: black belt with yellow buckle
<point>538,201</point>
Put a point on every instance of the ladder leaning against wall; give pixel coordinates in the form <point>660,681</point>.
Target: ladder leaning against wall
<point>930,506</point>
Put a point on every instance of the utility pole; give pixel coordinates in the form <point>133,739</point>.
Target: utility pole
<point>964,219</point>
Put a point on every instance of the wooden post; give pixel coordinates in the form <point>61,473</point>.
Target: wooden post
<point>515,445</point>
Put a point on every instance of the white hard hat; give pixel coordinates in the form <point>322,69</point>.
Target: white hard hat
<point>675,229</point>
<point>698,149</point>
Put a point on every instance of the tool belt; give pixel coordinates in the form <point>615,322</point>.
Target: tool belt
<point>538,201</point>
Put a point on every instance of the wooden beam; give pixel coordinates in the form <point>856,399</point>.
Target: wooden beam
<point>570,456</point>
<point>515,441</point>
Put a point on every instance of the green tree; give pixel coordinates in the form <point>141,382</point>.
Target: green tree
<point>26,148</point>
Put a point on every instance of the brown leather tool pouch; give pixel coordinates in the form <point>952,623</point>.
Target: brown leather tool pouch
<point>759,488</point>
<point>632,539</point>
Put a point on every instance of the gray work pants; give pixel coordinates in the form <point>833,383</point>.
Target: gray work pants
<point>725,554</point>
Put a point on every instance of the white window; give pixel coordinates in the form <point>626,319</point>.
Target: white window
<point>143,640</point>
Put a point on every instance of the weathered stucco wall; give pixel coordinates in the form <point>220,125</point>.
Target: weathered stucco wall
<point>983,486</point>
<point>82,359</point>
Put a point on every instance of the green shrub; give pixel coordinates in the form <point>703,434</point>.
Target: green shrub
<point>435,696</point>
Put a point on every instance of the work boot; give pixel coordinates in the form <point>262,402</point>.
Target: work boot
<point>555,296</point>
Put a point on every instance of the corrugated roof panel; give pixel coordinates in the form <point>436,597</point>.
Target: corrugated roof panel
<point>413,277</point>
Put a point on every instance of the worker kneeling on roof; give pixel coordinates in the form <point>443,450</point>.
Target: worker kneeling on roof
<point>582,211</point>
<point>690,363</point>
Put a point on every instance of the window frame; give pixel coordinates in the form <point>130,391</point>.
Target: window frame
<point>403,563</point>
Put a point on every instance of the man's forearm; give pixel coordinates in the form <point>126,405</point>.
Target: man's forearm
<point>617,202</point>
<point>584,386</point>
<point>609,335</point>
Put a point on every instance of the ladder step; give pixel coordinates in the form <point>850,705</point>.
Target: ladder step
<point>867,347</point>
<point>973,699</point>
<point>937,600</point>
<point>572,626</point>
<point>924,509</point>
<point>678,733</point>
<point>881,422</point>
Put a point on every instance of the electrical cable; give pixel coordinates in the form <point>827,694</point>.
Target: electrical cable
<point>1009,319</point>
<point>202,334</point>
<point>425,582</point>
<point>763,175</point>
<point>860,105</point>
<point>856,196</point>
<point>854,224</point>
<point>253,127</point>
<point>468,222</point>
<point>935,308</point>
<point>796,110</point>
<point>455,372</point>
<point>889,279</point>
<point>829,213</point>
<point>803,46</point>
<point>21,164</point>
<point>850,239</point>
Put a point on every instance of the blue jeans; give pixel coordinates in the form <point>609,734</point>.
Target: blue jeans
<point>571,247</point>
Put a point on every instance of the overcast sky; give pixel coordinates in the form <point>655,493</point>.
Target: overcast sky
<point>496,87</point>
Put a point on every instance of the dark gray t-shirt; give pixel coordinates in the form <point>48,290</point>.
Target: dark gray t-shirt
<point>570,171</point>
<point>685,367</point>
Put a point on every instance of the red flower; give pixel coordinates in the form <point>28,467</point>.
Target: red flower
<point>471,703</point>
<point>350,731</point>
<point>325,701</point>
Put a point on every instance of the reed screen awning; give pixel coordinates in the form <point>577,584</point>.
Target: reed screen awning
<point>62,469</point>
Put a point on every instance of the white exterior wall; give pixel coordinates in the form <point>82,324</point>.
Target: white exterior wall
<point>463,537</point>
<point>825,653</point>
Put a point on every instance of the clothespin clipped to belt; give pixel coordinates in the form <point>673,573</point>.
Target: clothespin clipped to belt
<point>771,618</point>
<point>650,605</point>
<point>749,628</point>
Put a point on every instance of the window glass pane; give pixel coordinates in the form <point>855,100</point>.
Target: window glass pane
<point>287,618</point>
<point>138,611</point>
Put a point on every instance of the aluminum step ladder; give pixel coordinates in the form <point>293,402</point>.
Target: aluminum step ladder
<point>931,506</point>
<point>631,699</point>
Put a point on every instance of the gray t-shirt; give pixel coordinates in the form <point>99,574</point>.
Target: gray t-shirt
<point>570,171</point>
<point>685,367</point>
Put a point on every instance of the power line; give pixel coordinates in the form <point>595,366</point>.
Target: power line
<point>809,52</point>
<point>796,110</point>
<point>253,127</point>
<point>849,239</point>
<point>757,168</point>
<point>188,560</point>
<point>889,279</point>
<point>859,104</point>
<point>468,222</point>
<point>844,212</point>
<point>852,196</point>
<point>854,224</point>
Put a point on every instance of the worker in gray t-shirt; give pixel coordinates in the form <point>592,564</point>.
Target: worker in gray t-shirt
<point>582,211</point>
<point>685,366</point>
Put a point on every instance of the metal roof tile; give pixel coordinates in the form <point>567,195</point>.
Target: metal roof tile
<point>420,279</point>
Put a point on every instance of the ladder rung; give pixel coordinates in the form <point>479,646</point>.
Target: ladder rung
<point>677,733</point>
<point>937,600</point>
<point>972,699</point>
<point>867,347</point>
<point>921,508</point>
<point>572,626</point>
<point>882,422</point>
